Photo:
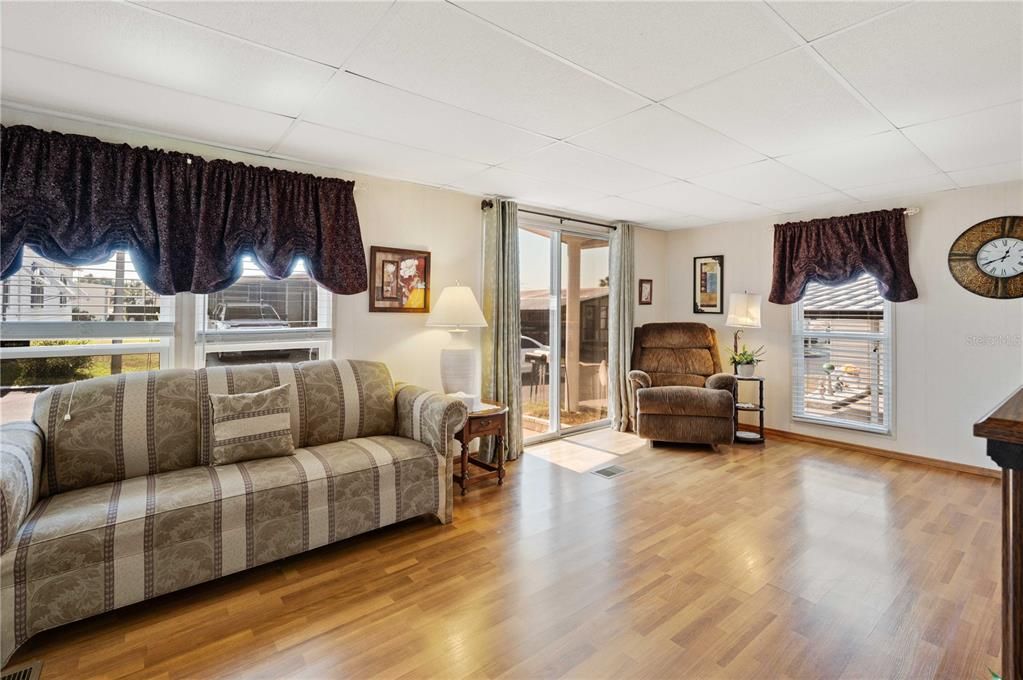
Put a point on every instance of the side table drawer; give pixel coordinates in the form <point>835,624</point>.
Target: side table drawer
<point>478,427</point>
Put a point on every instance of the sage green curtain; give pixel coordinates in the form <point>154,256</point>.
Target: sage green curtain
<point>620,324</point>
<point>502,379</point>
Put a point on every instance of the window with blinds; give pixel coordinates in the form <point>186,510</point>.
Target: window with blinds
<point>258,319</point>
<point>62,323</point>
<point>842,356</point>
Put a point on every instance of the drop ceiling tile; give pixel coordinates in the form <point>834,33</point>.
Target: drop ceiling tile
<point>878,159</point>
<point>132,42</point>
<point>992,174</point>
<point>675,224</point>
<point>326,32</point>
<point>689,199</point>
<point>931,60</point>
<point>63,88</point>
<point>439,51</point>
<point>355,153</point>
<point>786,104</point>
<point>586,169</point>
<point>369,108</point>
<point>656,49</point>
<point>906,187</point>
<point>804,203</point>
<point>620,209</point>
<point>525,189</point>
<point>761,182</point>
<point>667,142</point>
<point>815,19</point>
<point>972,140</point>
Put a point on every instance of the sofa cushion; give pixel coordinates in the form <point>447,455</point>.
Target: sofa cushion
<point>250,425</point>
<point>121,426</point>
<point>685,401</point>
<point>90,550</point>
<point>330,400</point>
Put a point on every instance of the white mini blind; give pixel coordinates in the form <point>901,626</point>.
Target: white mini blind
<point>47,300</point>
<point>842,356</point>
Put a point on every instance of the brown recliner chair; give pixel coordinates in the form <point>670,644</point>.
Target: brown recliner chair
<point>681,395</point>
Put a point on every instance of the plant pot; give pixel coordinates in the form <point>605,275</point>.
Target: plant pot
<point>746,370</point>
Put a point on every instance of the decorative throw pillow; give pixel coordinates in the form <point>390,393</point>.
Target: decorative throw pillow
<point>250,425</point>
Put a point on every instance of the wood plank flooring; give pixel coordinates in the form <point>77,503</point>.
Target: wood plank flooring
<point>788,560</point>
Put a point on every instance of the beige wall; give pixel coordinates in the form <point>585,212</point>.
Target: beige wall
<point>956,354</point>
<point>392,213</point>
<point>650,248</point>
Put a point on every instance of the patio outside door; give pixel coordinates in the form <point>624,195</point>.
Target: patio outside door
<point>563,279</point>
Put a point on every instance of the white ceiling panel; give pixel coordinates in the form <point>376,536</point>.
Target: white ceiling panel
<point>815,19</point>
<point>667,142</point>
<point>132,42</point>
<point>440,51</point>
<point>786,104</point>
<point>322,31</point>
<point>992,174</point>
<point>804,203</point>
<point>931,60</point>
<point>526,189</point>
<point>878,159</point>
<point>586,169</point>
<point>762,182</point>
<point>690,199</point>
<point>368,108</point>
<point>656,49</point>
<point>337,149</point>
<point>906,187</point>
<point>973,140</point>
<point>620,209</point>
<point>68,89</point>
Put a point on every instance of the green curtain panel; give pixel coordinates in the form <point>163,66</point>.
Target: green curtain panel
<point>620,324</point>
<point>502,380</point>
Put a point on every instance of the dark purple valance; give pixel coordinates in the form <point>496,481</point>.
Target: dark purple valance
<point>186,221</point>
<point>838,249</point>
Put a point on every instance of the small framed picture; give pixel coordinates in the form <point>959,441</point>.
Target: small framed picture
<point>399,280</point>
<point>708,279</point>
<point>646,291</point>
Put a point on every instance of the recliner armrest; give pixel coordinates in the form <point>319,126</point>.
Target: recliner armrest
<point>723,381</point>
<point>640,379</point>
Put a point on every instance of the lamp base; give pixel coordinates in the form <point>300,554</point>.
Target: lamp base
<point>458,365</point>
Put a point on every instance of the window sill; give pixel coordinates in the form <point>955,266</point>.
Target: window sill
<point>884,430</point>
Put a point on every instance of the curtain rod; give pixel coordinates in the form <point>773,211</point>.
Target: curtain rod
<point>487,203</point>
<point>912,211</point>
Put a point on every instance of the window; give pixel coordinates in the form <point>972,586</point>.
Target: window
<point>61,324</point>
<point>259,320</point>
<point>842,349</point>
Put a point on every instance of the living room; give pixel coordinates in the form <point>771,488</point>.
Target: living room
<point>518,339</point>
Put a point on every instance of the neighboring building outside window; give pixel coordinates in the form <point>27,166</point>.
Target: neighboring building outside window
<point>842,356</point>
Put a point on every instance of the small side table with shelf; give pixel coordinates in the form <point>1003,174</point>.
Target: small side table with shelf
<point>490,419</point>
<point>745,436</point>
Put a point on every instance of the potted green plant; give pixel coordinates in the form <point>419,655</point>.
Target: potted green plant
<point>746,360</point>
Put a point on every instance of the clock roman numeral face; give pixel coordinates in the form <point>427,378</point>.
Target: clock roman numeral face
<point>1001,257</point>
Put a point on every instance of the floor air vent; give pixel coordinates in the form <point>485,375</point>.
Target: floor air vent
<point>607,473</point>
<point>29,671</point>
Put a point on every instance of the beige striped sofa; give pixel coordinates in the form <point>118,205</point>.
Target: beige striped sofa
<point>118,502</point>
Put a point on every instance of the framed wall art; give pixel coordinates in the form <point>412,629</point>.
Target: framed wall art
<point>399,280</point>
<point>646,291</point>
<point>708,279</point>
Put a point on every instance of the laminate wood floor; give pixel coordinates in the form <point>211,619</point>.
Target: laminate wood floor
<point>787,560</point>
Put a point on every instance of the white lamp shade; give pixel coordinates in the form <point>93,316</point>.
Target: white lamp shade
<point>456,308</point>
<point>743,310</point>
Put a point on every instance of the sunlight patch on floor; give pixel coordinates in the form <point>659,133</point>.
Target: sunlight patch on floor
<point>586,451</point>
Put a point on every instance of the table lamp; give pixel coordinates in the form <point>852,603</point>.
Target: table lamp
<point>457,310</point>
<point>743,312</point>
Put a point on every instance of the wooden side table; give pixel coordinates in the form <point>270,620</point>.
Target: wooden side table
<point>490,420</point>
<point>744,436</point>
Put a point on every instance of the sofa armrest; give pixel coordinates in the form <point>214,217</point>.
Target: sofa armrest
<point>21,463</point>
<point>723,381</point>
<point>640,379</point>
<point>429,417</point>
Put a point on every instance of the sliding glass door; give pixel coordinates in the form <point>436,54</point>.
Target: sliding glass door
<point>563,279</point>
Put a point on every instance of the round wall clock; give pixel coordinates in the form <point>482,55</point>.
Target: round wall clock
<point>987,258</point>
